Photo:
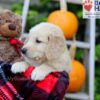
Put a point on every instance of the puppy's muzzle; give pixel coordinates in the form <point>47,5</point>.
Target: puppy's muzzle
<point>24,50</point>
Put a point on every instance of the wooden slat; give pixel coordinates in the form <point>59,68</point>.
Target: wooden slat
<point>80,44</point>
<point>74,1</point>
<point>77,96</point>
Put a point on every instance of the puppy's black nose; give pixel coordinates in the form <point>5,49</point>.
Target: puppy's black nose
<point>24,50</point>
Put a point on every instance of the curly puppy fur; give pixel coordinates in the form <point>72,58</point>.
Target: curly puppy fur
<point>45,48</point>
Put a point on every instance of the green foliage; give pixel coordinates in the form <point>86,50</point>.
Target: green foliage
<point>97,82</point>
<point>79,54</point>
<point>17,8</point>
<point>97,73</point>
<point>79,14</point>
<point>98,53</point>
<point>44,2</point>
<point>97,97</point>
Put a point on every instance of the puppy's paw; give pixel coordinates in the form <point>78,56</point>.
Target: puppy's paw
<point>18,67</point>
<point>38,74</point>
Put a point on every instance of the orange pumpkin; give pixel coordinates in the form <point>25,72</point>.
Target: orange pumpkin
<point>66,20</point>
<point>77,76</point>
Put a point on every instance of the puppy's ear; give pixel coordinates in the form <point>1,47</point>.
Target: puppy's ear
<point>55,47</point>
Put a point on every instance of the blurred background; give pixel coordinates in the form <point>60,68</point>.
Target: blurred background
<point>39,11</point>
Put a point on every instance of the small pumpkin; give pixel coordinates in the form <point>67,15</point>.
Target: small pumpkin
<point>76,77</point>
<point>66,20</point>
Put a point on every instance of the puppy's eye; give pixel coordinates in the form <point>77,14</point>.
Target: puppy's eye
<point>38,41</point>
<point>48,38</point>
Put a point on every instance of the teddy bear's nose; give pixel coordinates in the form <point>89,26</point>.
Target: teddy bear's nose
<point>24,50</point>
<point>12,26</point>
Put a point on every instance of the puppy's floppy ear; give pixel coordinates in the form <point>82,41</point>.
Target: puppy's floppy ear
<point>55,47</point>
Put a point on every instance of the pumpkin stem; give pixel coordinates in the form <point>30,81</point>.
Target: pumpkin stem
<point>72,49</point>
<point>63,5</point>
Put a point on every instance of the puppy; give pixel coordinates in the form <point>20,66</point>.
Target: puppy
<point>45,48</point>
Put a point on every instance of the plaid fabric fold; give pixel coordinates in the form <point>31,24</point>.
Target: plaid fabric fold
<point>7,90</point>
<point>53,87</point>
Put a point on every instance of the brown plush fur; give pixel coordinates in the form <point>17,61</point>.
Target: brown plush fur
<point>10,27</point>
<point>7,52</point>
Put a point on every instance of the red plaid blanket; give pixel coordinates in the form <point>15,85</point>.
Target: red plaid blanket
<point>7,90</point>
<point>21,87</point>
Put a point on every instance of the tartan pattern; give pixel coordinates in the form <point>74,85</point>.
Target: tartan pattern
<point>21,87</point>
<point>7,90</point>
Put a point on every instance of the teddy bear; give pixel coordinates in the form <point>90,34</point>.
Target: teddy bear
<point>10,29</point>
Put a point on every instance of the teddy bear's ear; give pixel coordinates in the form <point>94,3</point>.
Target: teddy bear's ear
<point>56,47</point>
<point>8,12</point>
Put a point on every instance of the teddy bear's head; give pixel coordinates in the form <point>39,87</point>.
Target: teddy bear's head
<point>10,24</point>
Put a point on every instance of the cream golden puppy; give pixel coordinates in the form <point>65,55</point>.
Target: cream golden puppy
<point>45,48</point>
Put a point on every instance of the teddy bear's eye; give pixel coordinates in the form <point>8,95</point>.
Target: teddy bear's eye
<point>7,20</point>
<point>38,41</point>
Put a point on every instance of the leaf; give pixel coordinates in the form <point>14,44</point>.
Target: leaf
<point>97,54</point>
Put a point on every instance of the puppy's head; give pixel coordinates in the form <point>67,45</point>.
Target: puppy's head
<point>44,42</point>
